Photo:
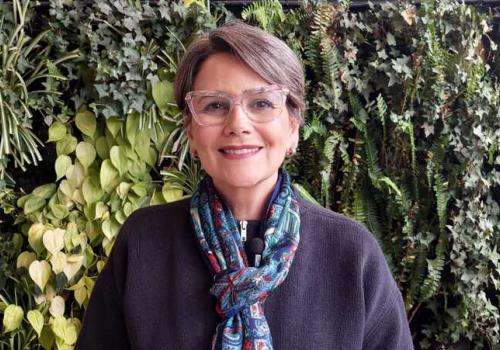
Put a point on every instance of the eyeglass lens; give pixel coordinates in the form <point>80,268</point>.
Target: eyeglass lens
<point>260,107</point>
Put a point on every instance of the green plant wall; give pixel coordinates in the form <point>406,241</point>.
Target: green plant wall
<point>402,133</point>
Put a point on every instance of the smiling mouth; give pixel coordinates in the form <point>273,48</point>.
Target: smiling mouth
<point>239,152</point>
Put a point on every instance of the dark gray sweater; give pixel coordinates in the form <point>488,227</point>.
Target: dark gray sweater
<point>153,292</point>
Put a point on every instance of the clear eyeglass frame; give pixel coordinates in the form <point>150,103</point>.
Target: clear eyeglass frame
<point>234,100</point>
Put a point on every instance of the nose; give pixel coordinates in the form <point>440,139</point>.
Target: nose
<point>237,122</point>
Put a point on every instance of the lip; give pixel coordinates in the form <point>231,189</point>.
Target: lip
<point>254,150</point>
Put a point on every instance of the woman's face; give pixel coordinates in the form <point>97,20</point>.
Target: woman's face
<point>266,143</point>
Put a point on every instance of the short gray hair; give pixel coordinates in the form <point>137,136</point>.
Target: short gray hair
<point>264,53</point>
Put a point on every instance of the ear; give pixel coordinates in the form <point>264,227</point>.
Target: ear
<point>189,133</point>
<point>294,132</point>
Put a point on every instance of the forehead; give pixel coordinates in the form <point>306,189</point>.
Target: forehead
<point>225,72</point>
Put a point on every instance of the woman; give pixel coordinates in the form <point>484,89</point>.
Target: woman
<point>191,274</point>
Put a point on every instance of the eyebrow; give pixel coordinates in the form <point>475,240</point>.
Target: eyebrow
<point>257,89</point>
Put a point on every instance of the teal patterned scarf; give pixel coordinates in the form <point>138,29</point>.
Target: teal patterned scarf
<point>242,290</point>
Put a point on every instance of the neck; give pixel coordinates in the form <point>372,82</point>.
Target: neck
<point>248,203</point>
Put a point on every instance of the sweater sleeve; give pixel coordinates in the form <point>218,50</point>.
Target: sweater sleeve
<point>386,324</point>
<point>103,323</point>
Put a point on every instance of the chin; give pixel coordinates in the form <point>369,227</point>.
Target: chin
<point>241,179</point>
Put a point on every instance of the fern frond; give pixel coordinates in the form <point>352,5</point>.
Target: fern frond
<point>267,13</point>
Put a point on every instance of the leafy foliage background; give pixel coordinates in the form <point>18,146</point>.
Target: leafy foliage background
<point>402,133</point>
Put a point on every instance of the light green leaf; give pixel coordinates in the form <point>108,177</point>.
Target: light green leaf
<point>25,259</point>
<point>75,174</point>
<point>35,318</point>
<point>171,192</point>
<point>122,189</point>
<point>45,191</point>
<point>58,262</point>
<point>73,265</point>
<point>132,127</point>
<point>101,209</point>
<point>12,317</point>
<point>108,176</point>
<point>110,228</point>
<point>140,189</point>
<point>86,122</point>
<point>81,295</point>
<point>118,159</point>
<point>91,191</point>
<point>35,235</point>
<point>102,147</point>
<point>53,240</point>
<point>163,94</point>
<point>33,204</point>
<point>57,306</point>
<point>66,145</point>
<point>40,273</point>
<point>62,164</point>
<point>60,211</point>
<point>85,152</point>
<point>57,131</point>
<point>64,330</point>
<point>114,125</point>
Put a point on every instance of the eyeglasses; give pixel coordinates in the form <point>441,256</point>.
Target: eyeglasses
<point>262,105</point>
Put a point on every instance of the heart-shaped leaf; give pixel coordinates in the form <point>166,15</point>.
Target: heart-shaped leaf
<point>66,145</point>
<point>53,240</point>
<point>40,273</point>
<point>73,264</point>
<point>35,318</point>
<point>57,131</point>
<point>118,159</point>
<point>86,122</point>
<point>57,306</point>
<point>85,152</point>
<point>108,176</point>
<point>25,259</point>
<point>12,317</point>
<point>58,261</point>
<point>62,164</point>
<point>35,235</point>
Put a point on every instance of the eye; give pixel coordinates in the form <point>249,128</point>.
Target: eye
<point>215,107</point>
<point>262,104</point>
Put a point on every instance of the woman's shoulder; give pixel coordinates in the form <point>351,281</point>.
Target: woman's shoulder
<point>332,222</point>
<point>158,219</point>
<point>167,210</point>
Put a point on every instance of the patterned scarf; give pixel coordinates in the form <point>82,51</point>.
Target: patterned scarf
<point>242,290</point>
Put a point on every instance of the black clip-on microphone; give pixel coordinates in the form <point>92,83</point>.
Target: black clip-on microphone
<point>256,247</point>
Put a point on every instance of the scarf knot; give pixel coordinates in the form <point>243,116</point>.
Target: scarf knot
<point>241,290</point>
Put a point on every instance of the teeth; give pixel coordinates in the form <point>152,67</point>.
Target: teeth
<point>240,151</point>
